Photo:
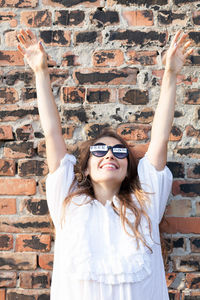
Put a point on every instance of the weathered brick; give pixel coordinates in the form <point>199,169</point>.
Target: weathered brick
<point>133,96</point>
<point>2,294</point>
<point>11,38</point>
<point>8,279</point>
<point>36,18</point>
<point>101,95</point>
<point>87,37</point>
<point>179,208</point>
<point>35,206</point>
<point>73,94</point>
<point>29,280</point>
<point>183,2</point>
<point>106,76</point>
<point>27,294</point>
<point>192,132</point>
<point>186,188</point>
<point>175,134</point>
<point>144,58</point>
<point>29,242</point>
<point>42,186</point>
<point>70,59</point>
<point>19,3</point>
<point>55,37</point>
<point>28,94</point>
<point>46,261</point>
<point>108,58</point>
<point>18,149</point>
<point>177,169</point>
<point>58,76</point>
<point>189,152</point>
<point>41,148</point>
<point>144,116</point>
<point>93,130</point>
<point>69,18</point>
<point>25,133</point>
<point>75,115</point>
<point>192,97</point>
<point>195,244</point>
<point>8,95</point>
<point>17,75</point>
<point>195,36</point>
<point>7,206</point>
<point>13,113</point>
<point>193,281</point>
<point>103,18</point>
<point>7,167</point>
<point>6,132</point>
<point>139,17</point>
<point>194,171</point>
<point>6,16</point>
<point>174,295</point>
<point>135,2</point>
<point>181,224</point>
<point>196,17</point>
<point>11,58</point>
<point>71,3</point>
<point>26,224</point>
<point>134,132</point>
<point>139,37</point>
<point>190,263</point>
<point>17,261</point>
<point>6,243</point>
<point>167,17</point>
<point>16,186</point>
<point>32,168</point>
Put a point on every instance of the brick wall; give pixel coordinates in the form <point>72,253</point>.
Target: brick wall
<point>105,65</point>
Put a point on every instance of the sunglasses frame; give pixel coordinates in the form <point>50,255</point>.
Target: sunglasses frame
<point>112,148</point>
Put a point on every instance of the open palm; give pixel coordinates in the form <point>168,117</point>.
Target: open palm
<point>177,53</point>
<point>32,50</point>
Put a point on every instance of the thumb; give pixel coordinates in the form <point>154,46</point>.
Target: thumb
<point>41,46</point>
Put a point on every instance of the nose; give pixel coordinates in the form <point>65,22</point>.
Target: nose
<point>109,154</point>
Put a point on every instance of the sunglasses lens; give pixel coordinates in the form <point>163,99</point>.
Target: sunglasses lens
<point>99,150</point>
<point>120,151</point>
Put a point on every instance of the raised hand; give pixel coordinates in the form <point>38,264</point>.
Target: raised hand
<point>177,53</point>
<point>32,50</point>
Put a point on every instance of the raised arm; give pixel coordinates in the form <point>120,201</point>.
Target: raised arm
<point>35,55</point>
<point>162,123</point>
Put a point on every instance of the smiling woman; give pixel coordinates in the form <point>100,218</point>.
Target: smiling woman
<point>106,209</point>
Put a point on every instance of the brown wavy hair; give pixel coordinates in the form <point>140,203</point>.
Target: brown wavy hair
<point>82,185</point>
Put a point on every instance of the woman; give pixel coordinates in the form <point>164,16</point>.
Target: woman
<point>107,217</point>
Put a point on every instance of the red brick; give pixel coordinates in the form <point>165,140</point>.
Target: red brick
<point>101,95</point>
<point>170,277</point>
<point>197,205</point>
<point>42,186</point>
<point>28,242</point>
<point>179,208</point>
<point>87,3</point>
<point>73,94</point>
<point>14,112</point>
<point>19,150</point>
<point>188,263</point>
<point>194,171</point>
<point>7,16</point>
<point>108,58</point>
<point>2,294</point>
<point>68,131</point>
<point>176,294</point>
<point>28,94</point>
<point>41,148</point>
<point>17,186</point>
<point>106,76</point>
<point>6,132</point>
<point>144,116</point>
<point>58,76</point>
<point>134,132</point>
<point>190,295</point>
<point>18,261</point>
<point>143,58</point>
<point>192,132</point>
<point>56,38</point>
<point>46,261</point>
<point>40,18</point>
<point>11,58</point>
<point>195,245</point>
<point>70,59</point>
<point>33,224</point>
<point>29,168</point>
<point>175,134</point>
<point>192,97</point>
<point>69,18</point>
<point>6,242</point>
<point>8,279</point>
<point>133,96</point>
<point>87,37</point>
<point>34,206</point>
<point>11,38</point>
<point>181,224</point>
<point>8,95</point>
<point>186,188</point>
<point>29,280</point>
<point>139,17</point>
<point>19,3</point>
<point>7,167</point>
<point>25,133</point>
<point>7,206</point>
<point>28,294</point>
<point>196,17</point>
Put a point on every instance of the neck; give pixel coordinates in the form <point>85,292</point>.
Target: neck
<point>104,193</point>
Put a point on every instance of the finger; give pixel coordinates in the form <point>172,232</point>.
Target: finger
<point>176,37</point>
<point>21,39</point>
<point>31,35</point>
<point>187,45</point>
<point>188,53</point>
<point>26,38</point>
<point>21,50</point>
<point>182,40</point>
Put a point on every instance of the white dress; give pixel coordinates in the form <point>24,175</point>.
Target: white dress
<point>94,259</point>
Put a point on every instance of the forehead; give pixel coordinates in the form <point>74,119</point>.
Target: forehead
<point>109,141</point>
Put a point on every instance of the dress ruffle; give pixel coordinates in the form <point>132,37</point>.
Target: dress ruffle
<point>96,247</point>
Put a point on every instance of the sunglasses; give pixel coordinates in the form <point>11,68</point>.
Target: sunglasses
<point>101,150</point>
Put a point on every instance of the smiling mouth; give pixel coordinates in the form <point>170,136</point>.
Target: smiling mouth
<point>109,166</point>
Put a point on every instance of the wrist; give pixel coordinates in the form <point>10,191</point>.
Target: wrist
<point>41,71</point>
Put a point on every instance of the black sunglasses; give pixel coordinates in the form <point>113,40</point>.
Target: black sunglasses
<point>101,150</point>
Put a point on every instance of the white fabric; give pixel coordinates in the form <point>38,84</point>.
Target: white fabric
<point>94,259</point>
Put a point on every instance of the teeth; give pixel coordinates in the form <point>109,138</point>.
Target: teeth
<point>109,166</point>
